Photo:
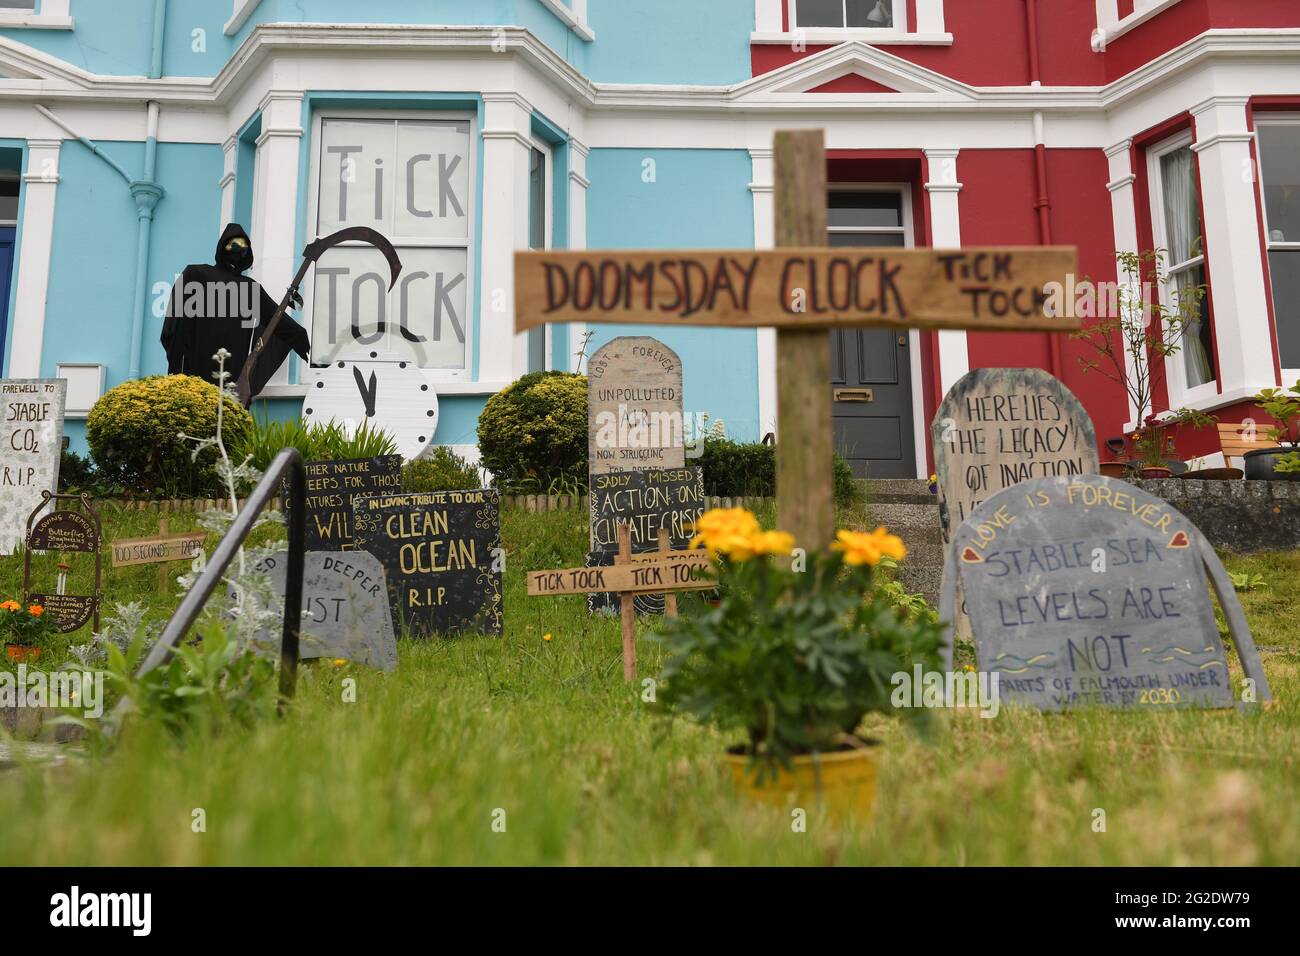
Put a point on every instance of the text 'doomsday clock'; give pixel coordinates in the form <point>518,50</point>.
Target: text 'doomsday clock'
<point>394,396</point>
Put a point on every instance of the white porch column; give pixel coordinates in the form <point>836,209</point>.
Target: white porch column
<point>578,186</point>
<point>1238,299</point>
<point>945,233</point>
<point>230,149</point>
<point>1123,208</point>
<point>507,145</point>
<point>275,200</point>
<point>40,187</point>
<point>762,189</point>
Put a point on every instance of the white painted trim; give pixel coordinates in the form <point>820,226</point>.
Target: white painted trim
<point>53,16</point>
<point>1123,206</point>
<point>575,19</point>
<point>818,37</point>
<point>1289,375</point>
<point>945,233</point>
<point>767,16</point>
<point>442,388</point>
<point>242,11</point>
<point>32,281</point>
<point>1111,28</point>
<point>762,189</point>
<point>898,9</point>
<point>578,153</point>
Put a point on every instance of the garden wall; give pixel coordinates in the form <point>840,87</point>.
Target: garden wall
<point>1237,516</point>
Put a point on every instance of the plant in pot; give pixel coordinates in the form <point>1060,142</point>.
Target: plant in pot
<point>25,629</point>
<point>793,656</point>
<point>1131,343</point>
<point>1154,441</point>
<point>1283,462</point>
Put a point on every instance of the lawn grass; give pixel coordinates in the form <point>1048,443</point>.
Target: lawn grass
<point>587,773</point>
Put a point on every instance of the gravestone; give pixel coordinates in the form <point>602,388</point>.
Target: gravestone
<point>671,499</point>
<point>31,436</point>
<point>1001,426</point>
<point>64,532</point>
<point>1085,590</point>
<point>345,608</point>
<point>634,407</point>
<point>441,553</point>
<point>331,488</point>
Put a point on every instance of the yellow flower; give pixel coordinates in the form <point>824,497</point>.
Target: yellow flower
<point>340,662</point>
<point>10,606</point>
<point>779,543</point>
<point>862,548</point>
<point>35,610</point>
<point>725,530</point>
<point>546,637</point>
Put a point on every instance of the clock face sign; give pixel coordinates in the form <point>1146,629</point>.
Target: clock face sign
<point>394,396</point>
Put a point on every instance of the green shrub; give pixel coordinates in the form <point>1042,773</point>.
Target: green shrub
<point>327,441</point>
<point>533,433</point>
<point>77,474</point>
<point>735,469</point>
<point>134,435</point>
<point>443,470</point>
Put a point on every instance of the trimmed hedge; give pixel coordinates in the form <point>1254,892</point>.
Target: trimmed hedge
<point>441,470</point>
<point>533,434</point>
<point>734,469</point>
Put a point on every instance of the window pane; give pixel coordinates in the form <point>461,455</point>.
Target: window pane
<point>422,320</point>
<point>8,199</point>
<point>881,240</point>
<point>860,209</point>
<point>356,178</point>
<point>1279,160</point>
<point>17,4</point>
<point>431,176</point>
<point>1197,345</point>
<point>821,13</point>
<point>1182,208</point>
<point>871,13</point>
<point>537,201</point>
<point>1284,266</point>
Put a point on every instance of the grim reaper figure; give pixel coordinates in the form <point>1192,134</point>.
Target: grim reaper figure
<point>218,307</point>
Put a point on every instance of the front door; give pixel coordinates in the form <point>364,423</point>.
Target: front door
<point>871,371</point>
<point>6,280</point>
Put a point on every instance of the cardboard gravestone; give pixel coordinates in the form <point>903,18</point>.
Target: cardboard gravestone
<point>634,407</point>
<point>31,436</point>
<point>669,499</point>
<point>1087,591</point>
<point>440,551</point>
<point>65,532</point>
<point>331,488</point>
<point>1001,426</point>
<point>345,608</point>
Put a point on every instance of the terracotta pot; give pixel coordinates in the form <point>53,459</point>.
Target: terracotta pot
<point>842,784</point>
<point>1156,471</point>
<point>1114,469</point>
<point>22,652</point>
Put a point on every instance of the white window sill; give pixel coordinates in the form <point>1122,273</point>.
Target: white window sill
<point>833,37</point>
<point>441,388</point>
<point>1220,400</point>
<point>34,21</point>
<point>567,17</point>
<point>1117,28</point>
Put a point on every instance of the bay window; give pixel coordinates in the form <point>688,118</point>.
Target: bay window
<point>412,179</point>
<point>1279,160</point>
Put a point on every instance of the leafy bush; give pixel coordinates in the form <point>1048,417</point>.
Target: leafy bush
<point>76,473</point>
<point>134,430</point>
<point>747,469</point>
<point>793,658</point>
<point>328,441</point>
<point>533,433</point>
<point>442,470</point>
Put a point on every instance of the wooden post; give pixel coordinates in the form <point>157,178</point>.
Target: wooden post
<point>627,605</point>
<point>162,568</point>
<point>670,598</point>
<point>804,489</point>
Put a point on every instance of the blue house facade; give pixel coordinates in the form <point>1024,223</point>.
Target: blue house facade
<point>132,131</point>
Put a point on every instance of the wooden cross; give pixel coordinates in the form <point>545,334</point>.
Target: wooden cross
<point>658,572</point>
<point>802,289</point>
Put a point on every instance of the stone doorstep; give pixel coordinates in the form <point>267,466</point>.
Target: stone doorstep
<point>898,491</point>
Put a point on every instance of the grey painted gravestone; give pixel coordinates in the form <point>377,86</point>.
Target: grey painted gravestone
<point>1087,591</point>
<point>998,427</point>
<point>31,439</point>
<point>345,608</point>
<point>441,552</point>
<point>331,488</point>
<point>634,407</point>
<point>670,499</point>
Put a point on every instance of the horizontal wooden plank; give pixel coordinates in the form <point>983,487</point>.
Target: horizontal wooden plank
<point>134,551</point>
<point>639,578</point>
<point>975,288</point>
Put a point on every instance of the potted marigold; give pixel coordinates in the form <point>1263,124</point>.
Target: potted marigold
<point>797,651</point>
<point>24,629</point>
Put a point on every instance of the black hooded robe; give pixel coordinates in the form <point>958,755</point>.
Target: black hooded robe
<point>214,307</point>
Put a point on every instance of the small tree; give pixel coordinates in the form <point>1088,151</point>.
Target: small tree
<point>1143,333</point>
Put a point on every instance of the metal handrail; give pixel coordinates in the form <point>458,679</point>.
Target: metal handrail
<point>288,460</point>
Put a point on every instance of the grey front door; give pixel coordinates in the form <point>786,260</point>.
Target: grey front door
<point>871,372</point>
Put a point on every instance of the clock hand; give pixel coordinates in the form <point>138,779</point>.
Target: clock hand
<point>368,395</point>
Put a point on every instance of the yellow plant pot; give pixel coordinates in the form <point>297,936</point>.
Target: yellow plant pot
<point>843,785</point>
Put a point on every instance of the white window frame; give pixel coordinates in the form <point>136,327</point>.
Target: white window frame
<point>1180,394</point>
<point>899,25</point>
<point>548,230</point>
<point>471,212</point>
<point>1289,375</point>
<point>920,436</point>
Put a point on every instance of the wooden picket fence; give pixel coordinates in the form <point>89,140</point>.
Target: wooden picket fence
<point>528,503</point>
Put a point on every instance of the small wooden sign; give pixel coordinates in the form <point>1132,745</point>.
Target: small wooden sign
<point>66,531</point>
<point>646,574</point>
<point>160,550</point>
<point>1008,288</point>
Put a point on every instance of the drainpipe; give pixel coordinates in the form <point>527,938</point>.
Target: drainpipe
<point>147,194</point>
<point>1042,199</point>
